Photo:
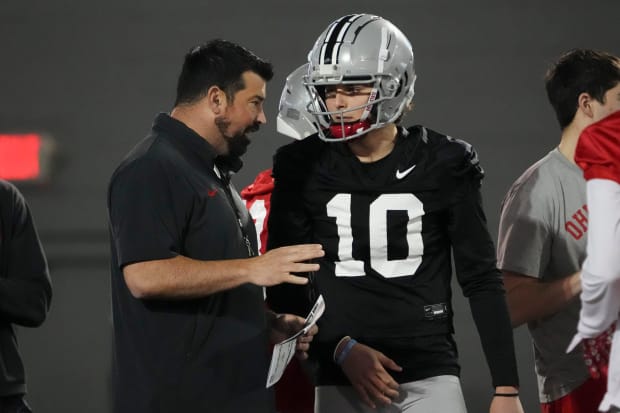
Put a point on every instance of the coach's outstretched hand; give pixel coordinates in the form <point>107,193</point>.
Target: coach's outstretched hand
<point>276,266</point>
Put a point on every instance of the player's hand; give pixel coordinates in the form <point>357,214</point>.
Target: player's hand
<point>285,325</point>
<point>276,266</point>
<point>366,369</point>
<point>506,405</point>
<point>596,352</point>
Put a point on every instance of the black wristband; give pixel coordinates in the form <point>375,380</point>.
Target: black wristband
<point>506,394</point>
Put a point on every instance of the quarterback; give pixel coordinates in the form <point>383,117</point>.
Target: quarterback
<point>391,206</point>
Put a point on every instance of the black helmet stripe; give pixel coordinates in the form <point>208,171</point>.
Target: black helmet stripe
<point>334,38</point>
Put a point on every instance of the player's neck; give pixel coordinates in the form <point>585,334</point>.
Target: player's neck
<point>567,146</point>
<point>375,145</point>
<point>570,137</point>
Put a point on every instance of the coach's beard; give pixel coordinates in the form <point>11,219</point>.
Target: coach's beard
<point>237,143</point>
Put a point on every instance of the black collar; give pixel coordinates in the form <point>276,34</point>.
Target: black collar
<point>187,140</point>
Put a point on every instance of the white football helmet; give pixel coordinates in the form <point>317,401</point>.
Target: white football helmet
<point>361,49</point>
<point>293,117</point>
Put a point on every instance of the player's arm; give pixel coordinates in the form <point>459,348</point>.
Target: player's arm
<point>25,286</point>
<point>529,298</point>
<point>474,259</point>
<point>601,270</point>
<point>598,154</point>
<point>524,250</point>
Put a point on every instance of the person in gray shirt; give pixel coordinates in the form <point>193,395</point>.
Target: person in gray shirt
<point>542,235</point>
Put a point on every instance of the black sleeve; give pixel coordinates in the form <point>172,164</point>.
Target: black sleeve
<point>288,224</point>
<point>25,286</point>
<point>144,213</point>
<point>474,258</point>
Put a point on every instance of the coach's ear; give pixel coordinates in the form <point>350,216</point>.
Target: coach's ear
<point>216,99</point>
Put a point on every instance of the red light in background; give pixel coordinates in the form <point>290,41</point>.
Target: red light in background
<point>19,156</point>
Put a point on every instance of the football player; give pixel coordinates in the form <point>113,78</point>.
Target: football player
<point>390,205</point>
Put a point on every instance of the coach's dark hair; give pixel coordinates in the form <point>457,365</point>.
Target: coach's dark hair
<point>217,63</point>
<point>580,71</point>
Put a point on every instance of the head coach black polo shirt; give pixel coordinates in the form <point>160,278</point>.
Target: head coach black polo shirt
<point>201,355</point>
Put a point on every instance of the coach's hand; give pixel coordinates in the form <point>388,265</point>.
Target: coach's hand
<point>366,369</point>
<point>284,326</point>
<point>276,266</point>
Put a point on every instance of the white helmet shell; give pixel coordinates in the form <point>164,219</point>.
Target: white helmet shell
<point>293,117</point>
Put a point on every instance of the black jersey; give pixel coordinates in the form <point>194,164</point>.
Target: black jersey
<point>389,229</point>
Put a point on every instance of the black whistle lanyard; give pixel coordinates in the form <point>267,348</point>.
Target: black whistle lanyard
<point>224,178</point>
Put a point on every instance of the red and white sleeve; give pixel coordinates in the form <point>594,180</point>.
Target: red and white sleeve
<point>598,149</point>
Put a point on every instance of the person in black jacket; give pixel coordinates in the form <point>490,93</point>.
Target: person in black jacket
<point>190,327</point>
<point>25,292</point>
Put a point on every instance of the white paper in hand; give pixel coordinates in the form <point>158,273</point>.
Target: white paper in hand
<point>283,352</point>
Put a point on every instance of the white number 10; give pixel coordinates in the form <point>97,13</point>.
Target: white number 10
<point>339,207</point>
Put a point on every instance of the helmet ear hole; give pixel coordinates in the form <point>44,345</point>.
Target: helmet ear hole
<point>391,85</point>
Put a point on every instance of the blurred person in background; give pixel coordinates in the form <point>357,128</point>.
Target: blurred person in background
<point>25,292</point>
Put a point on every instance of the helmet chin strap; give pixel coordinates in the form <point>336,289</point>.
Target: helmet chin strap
<point>346,129</point>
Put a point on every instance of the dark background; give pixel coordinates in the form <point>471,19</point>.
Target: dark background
<point>94,74</point>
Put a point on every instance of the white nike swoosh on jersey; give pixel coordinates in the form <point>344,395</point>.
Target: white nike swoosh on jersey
<point>401,175</point>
